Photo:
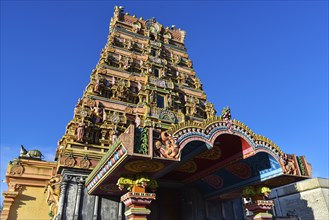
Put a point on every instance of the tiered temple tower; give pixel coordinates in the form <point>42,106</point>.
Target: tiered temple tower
<point>144,135</point>
<point>144,77</point>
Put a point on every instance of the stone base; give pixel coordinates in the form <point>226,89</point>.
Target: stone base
<point>136,202</point>
<point>137,213</point>
<point>262,216</point>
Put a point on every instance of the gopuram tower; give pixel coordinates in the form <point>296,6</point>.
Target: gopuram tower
<point>144,142</point>
<point>143,83</point>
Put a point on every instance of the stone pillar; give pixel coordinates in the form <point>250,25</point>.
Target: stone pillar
<point>95,214</point>
<point>9,198</point>
<point>137,199</point>
<point>77,204</point>
<point>120,211</point>
<point>259,204</point>
<point>260,209</point>
<point>62,197</point>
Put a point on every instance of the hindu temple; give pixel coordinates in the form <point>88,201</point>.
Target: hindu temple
<point>145,143</point>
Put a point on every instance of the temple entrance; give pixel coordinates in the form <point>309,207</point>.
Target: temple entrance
<point>167,205</point>
<point>216,165</point>
<point>214,168</point>
<point>209,180</point>
<point>195,183</point>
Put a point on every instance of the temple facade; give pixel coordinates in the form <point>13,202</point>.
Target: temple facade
<point>145,143</point>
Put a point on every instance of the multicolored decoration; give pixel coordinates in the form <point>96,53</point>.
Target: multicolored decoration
<point>214,181</point>
<point>138,197</point>
<point>259,204</point>
<point>142,166</point>
<point>144,118</point>
<point>240,169</point>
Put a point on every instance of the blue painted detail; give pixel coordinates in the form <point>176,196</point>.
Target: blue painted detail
<point>116,156</point>
<point>214,130</point>
<point>109,163</point>
<point>190,134</point>
<point>209,146</point>
<point>263,166</point>
<point>211,133</point>
<point>266,148</point>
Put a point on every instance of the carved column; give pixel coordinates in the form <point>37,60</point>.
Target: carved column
<point>260,209</point>
<point>137,199</point>
<point>120,211</point>
<point>259,204</point>
<point>137,202</point>
<point>95,214</point>
<point>62,197</point>
<point>80,181</point>
<point>9,198</point>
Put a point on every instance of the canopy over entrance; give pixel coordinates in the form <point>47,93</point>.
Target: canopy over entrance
<point>217,156</point>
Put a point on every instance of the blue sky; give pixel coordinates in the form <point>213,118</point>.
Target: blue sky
<point>267,60</point>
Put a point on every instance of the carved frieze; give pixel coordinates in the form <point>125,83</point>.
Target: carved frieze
<point>167,115</point>
<point>136,26</point>
<point>69,161</point>
<point>156,60</point>
<point>85,163</point>
<point>17,168</point>
<point>161,82</point>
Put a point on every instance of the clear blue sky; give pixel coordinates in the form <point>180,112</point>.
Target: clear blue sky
<point>267,60</point>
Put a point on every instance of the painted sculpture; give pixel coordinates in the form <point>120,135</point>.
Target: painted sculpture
<point>31,153</point>
<point>53,192</point>
<point>167,146</point>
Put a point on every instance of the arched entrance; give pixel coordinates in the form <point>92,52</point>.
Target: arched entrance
<point>216,161</point>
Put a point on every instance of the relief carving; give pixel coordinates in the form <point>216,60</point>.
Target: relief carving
<point>53,191</point>
<point>191,105</point>
<point>81,128</point>
<point>99,85</point>
<point>17,168</point>
<point>166,147</point>
<point>119,89</point>
<point>85,163</point>
<point>288,164</point>
<point>136,26</point>
<point>69,161</point>
<point>210,111</point>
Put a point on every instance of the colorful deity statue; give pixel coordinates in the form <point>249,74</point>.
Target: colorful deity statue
<point>53,192</point>
<point>181,77</point>
<point>96,113</point>
<point>209,109</point>
<point>99,84</point>
<point>226,113</point>
<point>81,127</point>
<point>197,83</point>
<point>167,147</point>
<point>191,105</point>
<point>288,164</point>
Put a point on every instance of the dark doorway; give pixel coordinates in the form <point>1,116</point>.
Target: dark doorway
<point>166,206</point>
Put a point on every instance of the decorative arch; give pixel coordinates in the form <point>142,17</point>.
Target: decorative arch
<point>212,128</point>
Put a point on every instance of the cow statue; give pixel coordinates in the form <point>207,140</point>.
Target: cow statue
<point>36,154</point>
